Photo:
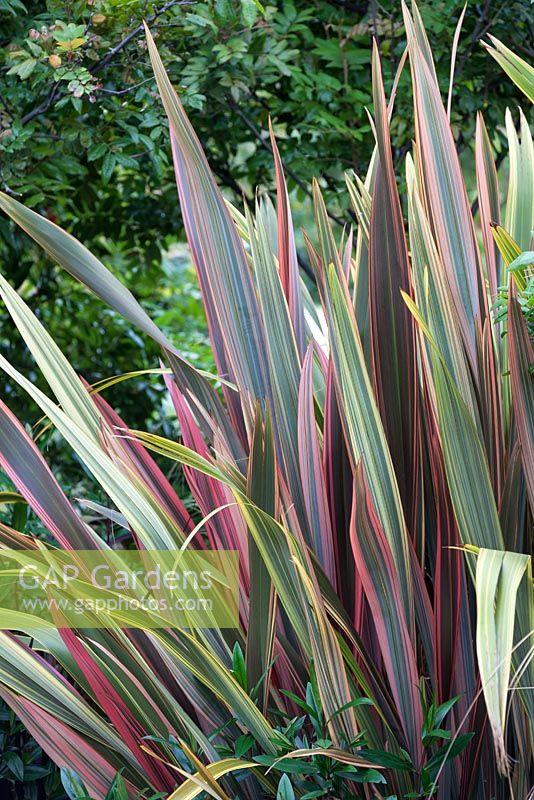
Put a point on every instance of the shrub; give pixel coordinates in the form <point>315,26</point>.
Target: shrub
<point>350,451</point>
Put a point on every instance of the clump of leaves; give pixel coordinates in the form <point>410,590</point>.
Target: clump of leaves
<point>522,269</point>
<point>26,772</point>
<point>312,766</point>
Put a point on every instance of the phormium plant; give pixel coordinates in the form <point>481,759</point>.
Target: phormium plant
<point>369,453</point>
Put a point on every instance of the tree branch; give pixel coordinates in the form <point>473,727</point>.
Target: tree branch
<point>53,96</point>
<point>120,92</point>
<point>55,92</point>
<point>132,35</point>
<point>356,7</point>
<point>266,146</point>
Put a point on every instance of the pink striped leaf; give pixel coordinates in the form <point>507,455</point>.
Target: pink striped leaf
<point>364,430</point>
<point>282,361</point>
<point>262,488</point>
<point>311,471</point>
<point>392,329</point>
<point>287,252</point>
<point>378,574</point>
<point>228,293</point>
<point>66,748</point>
<point>120,714</point>
<point>445,193</point>
<point>488,203</point>
<point>22,461</point>
<point>140,462</point>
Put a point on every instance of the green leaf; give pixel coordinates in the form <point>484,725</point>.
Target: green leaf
<point>73,785</point>
<point>118,789</point>
<point>521,359</point>
<point>61,377</point>
<point>465,459</point>
<point>249,12</point>
<point>285,789</point>
<point>447,753</point>
<point>25,69</point>
<point>443,710</point>
<point>14,763</point>
<point>519,218</point>
<point>359,701</point>
<point>524,260</point>
<point>97,151</point>
<point>239,669</point>
<point>108,165</point>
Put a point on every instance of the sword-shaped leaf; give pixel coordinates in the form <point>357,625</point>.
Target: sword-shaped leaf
<point>377,571</point>
<point>287,252</point>
<point>22,461</point>
<point>146,517</point>
<point>365,432</point>
<point>516,68</point>
<point>228,293</point>
<point>488,203</point>
<point>311,472</point>
<point>498,576</point>
<point>392,329</point>
<point>66,748</point>
<point>293,577</point>
<point>465,459</point>
<point>519,217</point>
<point>445,194</point>
<point>61,377</point>
<point>263,491</point>
<point>192,788</point>
<point>521,360</point>
<point>76,259</point>
<point>281,359</point>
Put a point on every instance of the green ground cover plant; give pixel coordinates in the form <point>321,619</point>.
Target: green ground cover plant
<point>371,457</point>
